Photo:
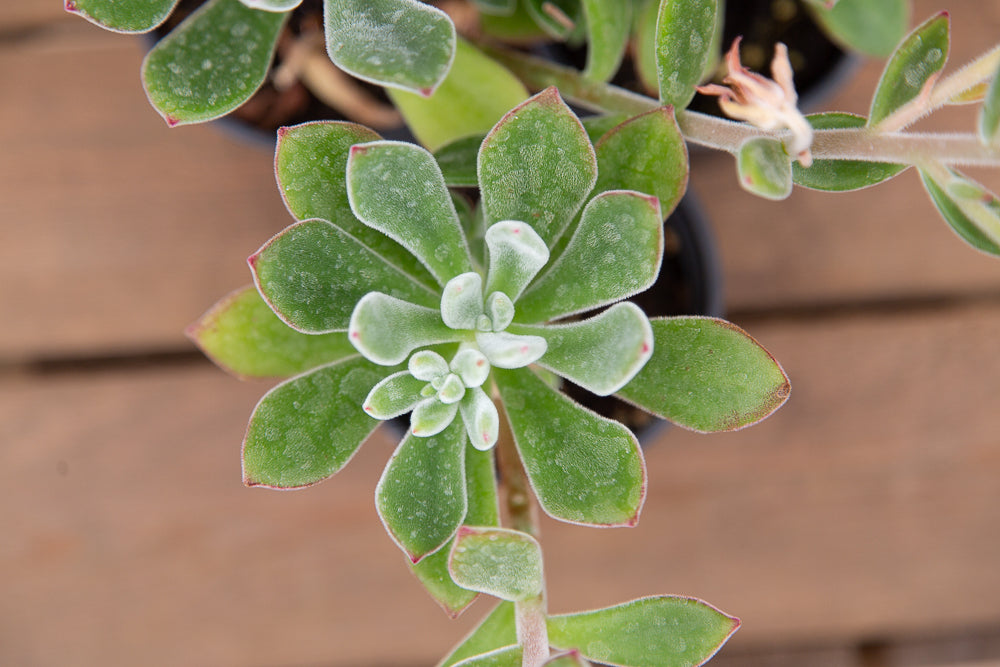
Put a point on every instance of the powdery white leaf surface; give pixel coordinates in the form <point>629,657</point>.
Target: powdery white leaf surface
<point>386,329</point>
<point>500,562</point>
<point>517,253</point>
<point>684,40</point>
<point>273,5</point>
<point>129,16</point>
<point>394,396</point>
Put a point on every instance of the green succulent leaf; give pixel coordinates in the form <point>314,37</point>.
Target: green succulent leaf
<point>518,28</point>
<point>538,166</point>
<point>615,252</point>
<point>599,125</point>
<point>272,5</point>
<point>129,16</point>
<point>600,354</point>
<point>517,253</point>
<point>913,67</point>
<point>244,336</point>
<point>385,329</point>
<point>393,396</point>
<point>496,7</point>
<point>989,114</point>
<point>307,428</point>
<point>873,28</point>
<point>608,26</point>
<point>462,301</point>
<point>764,168</point>
<point>496,631</point>
<point>660,631</point>
<point>397,188</point>
<point>841,175</point>
<point>685,31</point>
<point>421,497</point>
<point>457,160</point>
<point>431,416</point>
<point>583,468</point>
<point>482,421</point>
<point>313,273</point>
<point>646,154</point>
<point>972,211</point>
<point>507,350</point>
<point>212,62</point>
<point>707,375</point>
<point>571,658</point>
<point>497,561</point>
<point>644,16</point>
<point>477,92</point>
<point>560,19</point>
<point>508,656</point>
<point>397,43</point>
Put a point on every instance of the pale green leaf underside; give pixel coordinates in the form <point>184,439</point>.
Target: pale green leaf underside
<point>841,175</point>
<point>131,16</point>
<point>398,43</point>
<point>764,168</point>
<point>661,631</point>
<point>608,24</point>
<point>871,27</point>
<point>972,212</point>
<point>477,92</point>
<point>615,252</point>
<point>989,115</point>
<point>397,188</point>
<point>707,375</point>
<point>314,273</point>
<point>917,61</point>
<point>583,468</point>
<point>244,336</point>
<point>386,329</point>
<point>496,631</point>
<point>421,496</point>
<point>212,62</point>
<point>508,656</point>
<point>537,166</point>
<point>309,427</point>
<point>600,354</point>
<point>684,40</point>
<point>273,5</point>
<point>497,561</point>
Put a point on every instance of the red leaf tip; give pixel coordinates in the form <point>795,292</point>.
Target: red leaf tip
<point>426,92</point>
<point>463,531</point>
<point>172,121</point>
<point>282,131</point>
<point>358,149</point>
<point>70,6</point>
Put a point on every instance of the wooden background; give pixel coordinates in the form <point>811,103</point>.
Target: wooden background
<point>859,526</point>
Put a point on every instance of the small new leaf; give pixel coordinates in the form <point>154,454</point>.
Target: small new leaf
<point>764,168</point>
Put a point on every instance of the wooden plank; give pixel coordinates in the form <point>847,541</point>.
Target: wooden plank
<point>867,507</point>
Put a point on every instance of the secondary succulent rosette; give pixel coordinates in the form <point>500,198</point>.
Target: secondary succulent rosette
<point>394,294</point>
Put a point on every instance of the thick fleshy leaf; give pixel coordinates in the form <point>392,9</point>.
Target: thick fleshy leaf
<point>913,68</point>
<point>457,160</point>
<point>397,43</point>
<point>394,396</point>
<point>559,18</point>
<point>313,273</point>
<point>989,114</point>
<point>462,301</point>
<point>608,24</point>
<point>644,15</point>
<point>506,350</point>
<point>841,175</point>
<point>645,154</point>
<point>131,16</point>
<point>427,365</point>
<point>764,168</point>
<point>614,253</point>
<point>421,496</point>
<point>500,562</point>
<point>244,336</point>
<point>470,365</point>
<point>583,468</point>
<point>600,354</point>
<point>661,631</point>
<point>431,416</point>
<point>707,375</point>
<point>397,188</point>
<point>972,211</point>
<point>517,253</point>
<point>599,125</point>
<point>537,165</point>
<point>482,421</point>
<point>477,92</point>
<point>273,5</point>
<point>212,62</point>
<point>308,428</point>
<point>385,329</point>
<point>508,656</point>
<point>432,571</point>
<point>685,31</point>
<point>873,28</point>
<point>496,631</point>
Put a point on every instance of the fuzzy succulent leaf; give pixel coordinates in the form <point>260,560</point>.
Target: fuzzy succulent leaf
<point>482,421</point>
<point>988,121</point>
<point>427,365</point>
<point>470,365</point>
<point>841,175</point>
<point>972,211</point>
<point>397,43</point>
<point>397,188</point>
<point>307,428</point>
<point>462,301</point>
<point>601,354</point>
<point>608,25</point>
<point>615,252</point>
<point>537,165</point>
<point>393,396</point>
<point>244,336</point>
<point>764,168</point>
<point>457,160</point>
<point>212,62</point>
<point>507,350</point>
<point>421,497</point>
<point>313,273</point>
<point>273,5</point>
<point>477,92</point>
<point>517,253</point>
<point>495,631</point>
<point>128,16</point>
<point>646,154</point>
<point>707,375</point>
<point>873,28</point>
<point>685,31</point>
<point>385,329</point>
<point>558,18</point>
<point>599,125</point>
<point>500,562</point>
<point>660,631</point>
<point>583,468</point>
<point>508,656</point>
<point>914,66</point>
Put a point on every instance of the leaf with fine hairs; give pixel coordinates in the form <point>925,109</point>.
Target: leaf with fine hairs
<point>127,16</point>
